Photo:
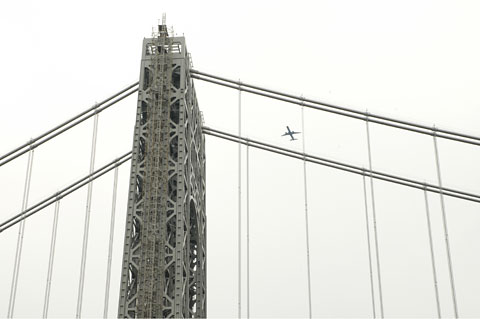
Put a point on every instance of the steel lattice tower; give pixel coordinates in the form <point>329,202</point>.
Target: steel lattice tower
<point>164,265</point>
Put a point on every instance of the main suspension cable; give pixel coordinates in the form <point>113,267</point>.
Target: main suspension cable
<point>340,110</point>
<point>64,192</point>
<point>39,140</point>
<point>344,166</point>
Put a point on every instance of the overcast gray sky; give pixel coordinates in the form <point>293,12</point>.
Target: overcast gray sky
<point>413,60</point>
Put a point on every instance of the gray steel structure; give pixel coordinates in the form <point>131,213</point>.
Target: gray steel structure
<point>164,258</point>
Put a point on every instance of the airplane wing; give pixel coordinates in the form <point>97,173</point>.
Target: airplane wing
<point>284,134</point>
<point>293,132</point>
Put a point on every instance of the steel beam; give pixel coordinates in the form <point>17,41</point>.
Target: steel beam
<point>164,264</point>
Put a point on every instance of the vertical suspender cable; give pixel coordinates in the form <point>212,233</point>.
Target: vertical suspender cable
<point>309,286</point>
<point>87,220</point>
<point>110,242</point>
<point>248,230</point>
<point>239,202</point>
<point>21,231</point>
<point>374,219</point>
<point>432,255</point>
<point>445,228</point>
<point>50,260</point>
<point>369,247</point>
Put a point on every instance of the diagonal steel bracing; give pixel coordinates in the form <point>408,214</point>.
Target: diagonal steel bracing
<point>164,266</point>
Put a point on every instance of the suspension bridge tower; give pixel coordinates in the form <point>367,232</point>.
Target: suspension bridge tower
<point>164,256</point>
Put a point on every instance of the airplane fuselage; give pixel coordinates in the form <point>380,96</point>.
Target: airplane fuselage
<point>290,133</point>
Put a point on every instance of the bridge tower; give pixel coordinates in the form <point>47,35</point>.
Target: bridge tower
<point>164,257</point>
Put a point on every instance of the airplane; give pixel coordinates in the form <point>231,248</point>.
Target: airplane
<point>291,134</point>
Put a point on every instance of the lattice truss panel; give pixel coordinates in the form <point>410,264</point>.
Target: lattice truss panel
<point>164,266</point>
